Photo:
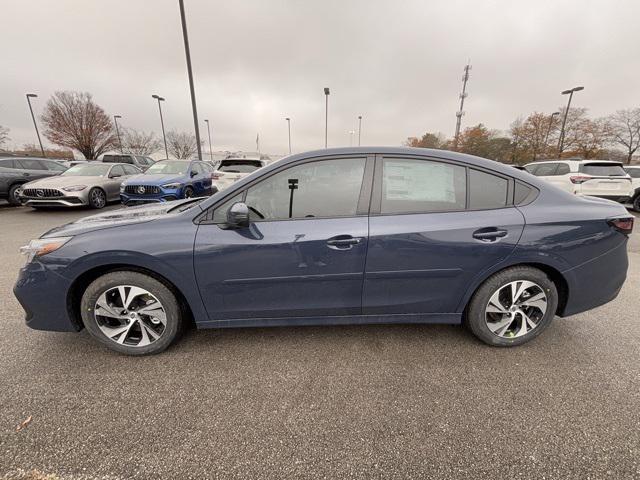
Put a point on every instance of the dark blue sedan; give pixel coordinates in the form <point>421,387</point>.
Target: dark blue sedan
<point>168,180</point>
<point>337,236</point>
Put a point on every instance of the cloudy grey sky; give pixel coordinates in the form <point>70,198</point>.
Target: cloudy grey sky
<point>398,63</point>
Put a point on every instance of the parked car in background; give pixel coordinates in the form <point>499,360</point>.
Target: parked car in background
<point>92,184</point>
<point>368,235</point>
<point>71,163</point>
<point>140,161</point>
<point>634,173</point>
<point>231,170</point>
<point>596,178</point>
<point>169,180</point>
<point>16,171</point>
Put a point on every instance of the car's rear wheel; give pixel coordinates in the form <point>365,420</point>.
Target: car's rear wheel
<point>13,195</point>
<point>188,192</point>
<point>131,313</point>
<point>97,198</point>
<point>512,307</point>
<point>636,203</point>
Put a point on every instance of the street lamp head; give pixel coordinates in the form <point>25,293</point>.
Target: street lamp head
<point>158,97</point>
<point>31,95</point>
<point>117,116</point>
<point>288,119</point>
<point>359,117</point>
<point>206,121</point>
<point>555,113</point>
<point>326,90</point>
<point>566,92</point>
<point>577,89</point>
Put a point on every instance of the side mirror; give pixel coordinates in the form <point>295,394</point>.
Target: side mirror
<point>193,173</point>
<point>238,216</point>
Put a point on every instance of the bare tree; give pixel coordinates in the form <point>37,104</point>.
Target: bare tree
<point>4,135</point>
<point>74,120</point>
<point>139,142</point>
<point>182,145</point>
<point>624,130</point>
<point>588,137</point>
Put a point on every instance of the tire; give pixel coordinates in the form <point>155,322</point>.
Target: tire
<point>636,203</point>
<point>118,326</point>
<point>485,317</point>
<point>188,192</point>
<point>13,197</point>
<point>97,198</point>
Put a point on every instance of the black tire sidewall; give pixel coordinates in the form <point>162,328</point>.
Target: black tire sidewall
<point>12,198</point>
<point>475,318</point>
<point>158,289</point>
<point>91,204</point>
<point>636,203</point>
<point>190,189</point>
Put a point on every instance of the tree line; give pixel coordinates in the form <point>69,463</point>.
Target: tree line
<point>614,137</point>
<point>73,120</point>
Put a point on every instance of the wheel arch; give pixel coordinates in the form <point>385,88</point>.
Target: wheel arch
<point>79,285</point>
<point>553,273</point>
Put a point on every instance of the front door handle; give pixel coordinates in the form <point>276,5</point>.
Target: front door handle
<point>343,242</point>
<point>489,235</point>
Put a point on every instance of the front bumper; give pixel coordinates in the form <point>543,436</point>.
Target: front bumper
<point>43,295</point>
<point>62,199</point>
<point>164,195</point>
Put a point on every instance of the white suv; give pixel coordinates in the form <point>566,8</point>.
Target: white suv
<point>231,170</point>
<point>597,178</point>
<point>634,173</point>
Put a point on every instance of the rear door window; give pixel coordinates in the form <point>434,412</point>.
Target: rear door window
<point>602,169</point>
<point>563,169</point>
<point>31,164</point>
<point>546,170</point>
<point>7,163</point>
<point>420,186</point>
<point>487,191</point>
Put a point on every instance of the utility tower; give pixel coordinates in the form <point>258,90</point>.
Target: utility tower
<point>460,113</point>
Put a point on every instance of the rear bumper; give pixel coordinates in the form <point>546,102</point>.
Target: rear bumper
<point>615,198</point>
<point>597,281</point>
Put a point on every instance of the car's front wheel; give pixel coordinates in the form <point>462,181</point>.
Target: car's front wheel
<point>97,198</point>
<point>13,197</point>
<point>636,203</point>
<point>188,192</point>
<point>512,307</point>
<point>131,313</point>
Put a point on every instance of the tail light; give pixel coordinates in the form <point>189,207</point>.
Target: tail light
<point>578,179</point>
<point>216,175</point>
<point>623,225</point>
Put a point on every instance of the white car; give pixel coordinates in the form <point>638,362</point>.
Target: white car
<point>596,178</point>
<point>634,173</point>
<point>231,170</point>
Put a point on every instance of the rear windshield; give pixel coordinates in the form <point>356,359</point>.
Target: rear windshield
<point>117,159</point>
<point>603,169</point>
<point>239,166</point>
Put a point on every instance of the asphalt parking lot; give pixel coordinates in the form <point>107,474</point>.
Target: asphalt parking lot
<point>333,402</point>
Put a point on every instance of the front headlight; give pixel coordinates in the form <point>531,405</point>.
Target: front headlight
<point>42,246</point>
<point>74,188</point>
<point>171,186</point>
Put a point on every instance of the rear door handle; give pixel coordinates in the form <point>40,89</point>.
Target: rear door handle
<point>343,242</point>
<point>491,235</point>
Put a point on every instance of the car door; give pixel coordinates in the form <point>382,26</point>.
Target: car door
<point>434,227</point>
<point>33,169</point>
<point>113,181</point>
<point>303,254</point>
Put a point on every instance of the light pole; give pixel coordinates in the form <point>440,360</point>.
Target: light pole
<point>115,120</point>
<point>191,88</point>
<point>351,132</point>
<point>564,120</point>
<point>289,128</point>
<point>359,128</point>
<point>164,137</point>
<point>326,116</point>
<point>209,133</point>
<point>29,97</point>
<point>546,137</point>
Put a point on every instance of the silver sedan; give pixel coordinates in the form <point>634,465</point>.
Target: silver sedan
<point>90,184</point>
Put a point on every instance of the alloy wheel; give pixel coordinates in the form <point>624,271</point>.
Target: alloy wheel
<point>130,316</point>
<point>98,199</point>
<point>515,309</point>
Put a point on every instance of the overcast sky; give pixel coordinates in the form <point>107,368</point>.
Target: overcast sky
<point>398,63</point>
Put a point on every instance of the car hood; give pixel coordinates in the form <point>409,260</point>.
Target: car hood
<point>154,179</point>
<point>60,181</point>
<point>117,218</point>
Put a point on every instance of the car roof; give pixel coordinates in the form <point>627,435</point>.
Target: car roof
<point>574,160</point>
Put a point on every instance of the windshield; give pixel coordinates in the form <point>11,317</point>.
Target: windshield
<point>88,170</point>
<point>239,166</point>
<point>603,169</point>
<point>175,167</point>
